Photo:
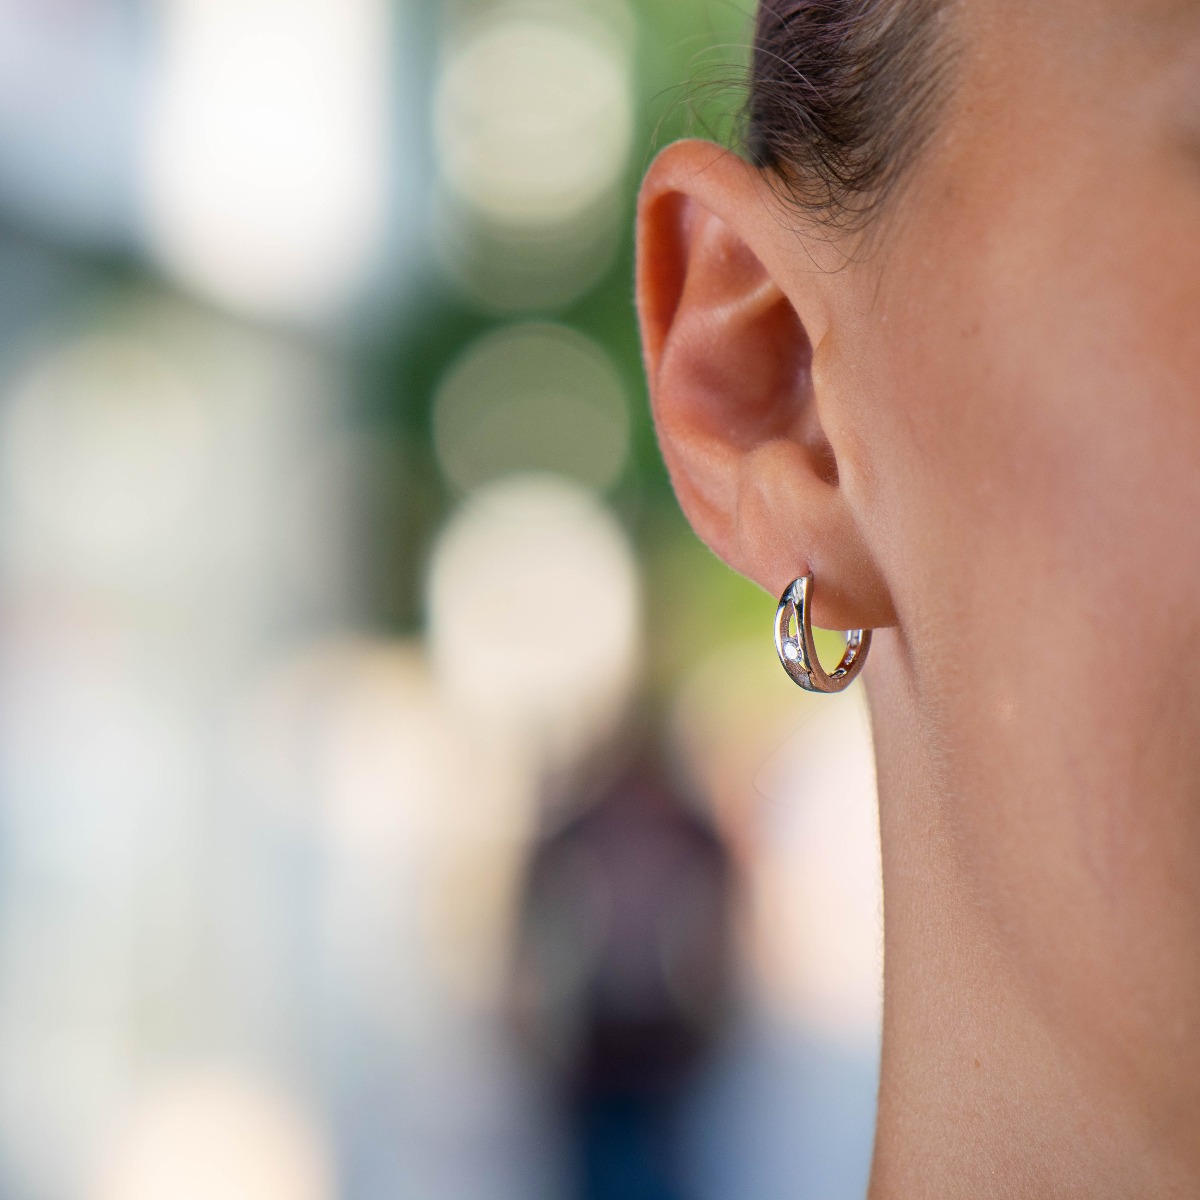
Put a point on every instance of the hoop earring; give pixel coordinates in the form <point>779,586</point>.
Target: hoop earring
<point>798,653</point>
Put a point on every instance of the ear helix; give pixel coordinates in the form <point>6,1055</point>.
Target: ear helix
<point>798,653</point>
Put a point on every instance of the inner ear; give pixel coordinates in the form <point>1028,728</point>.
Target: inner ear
<point>786,405</point>
<point>787,400</point>
<point>805,426</point>
<point>738,345</point>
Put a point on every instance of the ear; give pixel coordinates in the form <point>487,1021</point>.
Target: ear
<point>734,308</point>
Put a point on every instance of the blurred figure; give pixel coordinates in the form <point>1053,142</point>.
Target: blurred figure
<point>623,980</point>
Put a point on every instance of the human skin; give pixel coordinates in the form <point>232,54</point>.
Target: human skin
<point>978,423</point>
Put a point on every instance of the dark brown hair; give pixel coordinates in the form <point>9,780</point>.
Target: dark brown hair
<point>843,96</point>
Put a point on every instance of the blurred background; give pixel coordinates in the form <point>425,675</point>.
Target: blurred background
<point>396,800</point>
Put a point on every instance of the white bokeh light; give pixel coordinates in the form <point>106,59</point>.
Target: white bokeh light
<point>534,612</point>
<point>534,115</point>
<point>103,454</point>
<point>818,884</point>
<point>215,1135</point>
<point>352,743</point>
<point>266,150</point>
<point>528,398</point>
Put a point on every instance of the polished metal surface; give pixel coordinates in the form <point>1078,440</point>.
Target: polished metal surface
<point>797,651</point>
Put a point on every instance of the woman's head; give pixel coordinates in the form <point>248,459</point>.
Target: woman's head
<point>972,408</point>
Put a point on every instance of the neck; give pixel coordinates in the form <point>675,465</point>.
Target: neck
<point>1042,969</point>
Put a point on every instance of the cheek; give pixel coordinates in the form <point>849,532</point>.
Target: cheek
<point>1058,437</point>
<point>1042,496</point>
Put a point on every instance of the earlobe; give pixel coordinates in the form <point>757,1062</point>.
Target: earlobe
<point>731,310</point>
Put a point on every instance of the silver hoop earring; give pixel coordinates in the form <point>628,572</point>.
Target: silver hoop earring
<point>798,653</point>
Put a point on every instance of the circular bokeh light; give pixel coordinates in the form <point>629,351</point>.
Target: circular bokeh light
<point>213,1134</point>
<point>533,116</point>
<point>534,610</point>
<point>532,398</point>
